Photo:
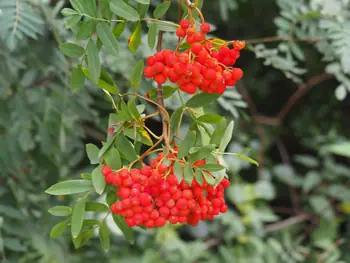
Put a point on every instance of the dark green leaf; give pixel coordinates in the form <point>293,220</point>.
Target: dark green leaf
<point>94,65</point>
<point>175,121</point>
<point>105,82</point>
<point>111,197</point>
<point>142,9</point>
<point>133,110</point>
<point>96,207</point>
<point>104,32</point>
<point>59,229</point>
<point>92,152</point>
<point>70,187</point>
<point>201,99</point>
<point>168,91</point>
<point>14,244</point>
<point>98,180</point>
<point>83,238</point>
<point>127,231</point>
<point>202,153</point>
<point>161,9</point>
<point>210,118</point>
<point>60,211</point>
<point>72,50</point>
<point>72,21</point>
<point>104,237</point>
<point>11,212</point>
<point>187,144</point>
<point>118,29</point>
<point>152,35</point>
<point>226,139</point>
<point>120,8</point>
<point>112,158</point>
<point>126,149</point>
<point>188,173</point>
<point>91,222</point>
<point>68,12</point>
<point>107,145</point>
<point>85,30</point>
<point>219,132</point>
<point>178,170</point>
<point>78,217</point>
<point>136,75</point>
<point>209,178</point>
<point>87,7</point>
<point>212,167</point>
<point>77,79</point>
<point>135,38</point>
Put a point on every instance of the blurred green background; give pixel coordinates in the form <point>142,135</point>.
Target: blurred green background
<point>291,109</point>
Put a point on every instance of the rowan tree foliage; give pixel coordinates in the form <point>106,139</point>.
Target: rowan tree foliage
<point>126,128</point>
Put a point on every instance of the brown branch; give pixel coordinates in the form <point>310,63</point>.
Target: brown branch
<point>286,223</point>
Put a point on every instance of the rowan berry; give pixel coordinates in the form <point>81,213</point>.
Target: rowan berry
<point>162,168</point>
<point>184,23</point>
<point>180,32</point>
<point>150,61</point>
<point>164,211</point>
<point>160,79</point>
<point>106,170</point>
<point>196,48</point>
<point>205,28</point>
<point>160,221</point>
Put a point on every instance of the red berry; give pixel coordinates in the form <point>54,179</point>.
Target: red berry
<point>223,209</point>
<point>198,37</point>
<point>237,73</point>
<point>196,48</point>
<point>150,61</point>
<point>158,67</point>
<point>184,23</point>
<point>188,88</point>
<point>210,74</point>
<point>149,224</point>
<point>187,194</point>
<point>130,222</point>
<point>160,221</point>
<point>160,79</point>
<point>205,28</point>
<point>164,211</point>
<point>162,168</point>
<point>106,170</point>
<point>182,203</point>
<point>173,220</point>
<point>124,193</point>
<point>146,170</point>
<point>154,214</point>
<point>180,32</point>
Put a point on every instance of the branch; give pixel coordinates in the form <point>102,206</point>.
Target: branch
<point>286,223</point>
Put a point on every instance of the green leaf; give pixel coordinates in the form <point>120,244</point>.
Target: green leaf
<point>168,91</point>
<point>72,21</point>
<point>202,153</point>
<point>118,29</point>
<point>219,132</point>
<point>86,176</point>
<point>226,139</point>
<point>210,118</point>
<point>188,173</point>
<point>201,99</point>
<point>92,152</point>
<point>83,238</point>
<point>59,229</point>
<point>70,187</point>
<point>135,38</point>
<point>112,158</point>
<point>178,170</point>
<point>133,109</point>
<point>126,149</point>
<point>105,82</point>
<point>14,244</point>
<point>209,178</point>
<point>212,167</point>
<point>187,144</point>
<point>68,12</point>
<point>136,75</point>
<point>145,137</point>
<point>127,231</point>
<point>104,237</point>
<point>77,79</point>
<point>199,176</point>
<point>91,222</point>
<point>98,180</point>
<point>152,35</point>
<point>311,181</point>
<point>175,121</point>
<point>94,65</point>
<point>245,158</point>
<point>161,9</point>
<point>120,8</point>
<point>96,207</point>
<point>60,211</point>
<point>78,217</point>
<point>87,7</point>
<point>342,149</point>
<point>144,2</point>
<point>104,32</point>
<point>107,145</point>
<point>322,206</point>
<point>85,30</point>
<point>71,50</point>
<point>165,26</point>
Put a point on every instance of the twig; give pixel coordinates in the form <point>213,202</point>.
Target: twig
<point>286,223</point>
<point>325,254</point>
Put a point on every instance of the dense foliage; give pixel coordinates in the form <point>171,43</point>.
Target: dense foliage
<point>290,109</point>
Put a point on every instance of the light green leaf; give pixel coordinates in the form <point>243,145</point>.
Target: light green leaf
<point>188,173</point>
<point>118,29</point>
<point>187,144</point>
<point>94,65</point>
<point>152,35</point>
<point>70,187</point>
<point>120,8</point>
<point>78,217</point>
<point>59,229</point>
<point>210,118</point>
<point>202,153</point>
<point>199,176</point>
<point>168,91</point>
<point>245,158</point>
<point>96,207</point>
<point>104,32</point>
<point>161,9</point>
<point>135,38</point>
<point>219,132</point>
<point>226,139</point>
<point>209,178</point>
<point>136,75</point>
<point>69,12</point>
<point>127,231</point>
<point>144,2</point>
<point>112,158</point>
<point>212,167</point>
<point>87,7</point>
<point>175,121</point>
<point>178,170</point>
<point>165,26</point>
<point>104,237</point>
<point>98,180</point>
<point>77,79</point>
<point>125,148</point>
<point>85,30</point>
<point>201,99</point>
<point>311,180</point>
<point>72,50</point>
<point>105,82</point>
<point>72,21</point>
<point>86,176</point>
<point>83,238</point>
<point>92,152</point>
<point>342,149</point>
<point>60,211</point>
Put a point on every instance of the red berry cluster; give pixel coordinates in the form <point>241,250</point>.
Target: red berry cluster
<point>151,196</point>
<point>205,65</point>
